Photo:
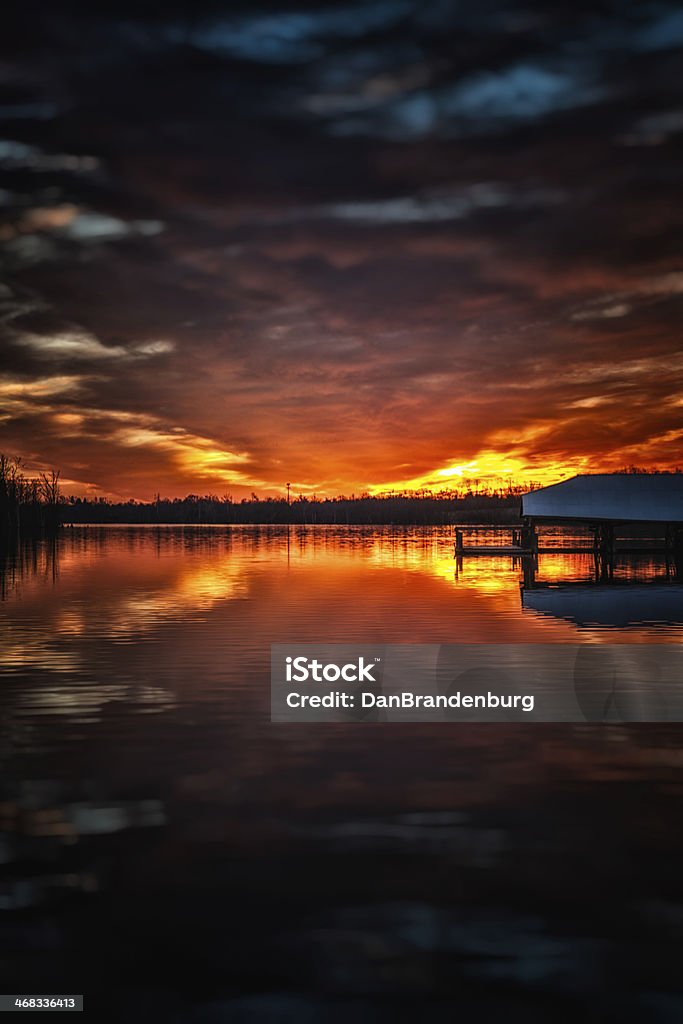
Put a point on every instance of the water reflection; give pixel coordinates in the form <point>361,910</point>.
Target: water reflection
<point>151,814</point>
<point>617,606</point>
<point>151,614</point>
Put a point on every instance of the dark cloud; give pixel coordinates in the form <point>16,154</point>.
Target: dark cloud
<point>351,246</point>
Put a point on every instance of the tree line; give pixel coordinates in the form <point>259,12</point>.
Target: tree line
<point>392,509</point>
<point>29,506</point>
<point>34,506</point>
<point>475,502</point>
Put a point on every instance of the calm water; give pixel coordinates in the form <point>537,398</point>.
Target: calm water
<point>166,849</point>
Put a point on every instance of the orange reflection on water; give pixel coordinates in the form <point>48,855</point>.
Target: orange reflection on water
<point>236,588</point>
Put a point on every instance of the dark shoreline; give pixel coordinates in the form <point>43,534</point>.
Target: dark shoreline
<point>363,511</point>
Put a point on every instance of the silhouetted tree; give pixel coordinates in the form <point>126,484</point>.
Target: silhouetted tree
<point>28,507</point>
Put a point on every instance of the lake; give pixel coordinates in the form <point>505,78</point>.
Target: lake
<point>170,853</point>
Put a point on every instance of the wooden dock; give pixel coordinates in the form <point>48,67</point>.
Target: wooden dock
<point>522,542</point>
<point>516,551</point>
<point>525,542</point>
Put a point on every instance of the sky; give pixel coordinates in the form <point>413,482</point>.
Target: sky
<point>352,247</point>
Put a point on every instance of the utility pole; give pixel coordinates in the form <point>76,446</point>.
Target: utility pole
<point>288,486</point>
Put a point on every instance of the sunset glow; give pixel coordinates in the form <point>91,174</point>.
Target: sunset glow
<point>403,284</point>
<point>336,403</point>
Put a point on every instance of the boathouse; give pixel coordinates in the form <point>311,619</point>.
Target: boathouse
<point>609,498</point>
<point>637,508</point>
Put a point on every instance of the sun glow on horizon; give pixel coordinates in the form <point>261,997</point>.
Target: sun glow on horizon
<point>489,469</point>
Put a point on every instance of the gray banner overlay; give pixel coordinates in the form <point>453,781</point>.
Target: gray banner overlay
<point>37,1004</point>
<point>589,682</point>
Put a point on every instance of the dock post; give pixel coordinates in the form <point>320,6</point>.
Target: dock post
<point>529,537</point>
<point>603,550</point>
<point>677,545</point>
